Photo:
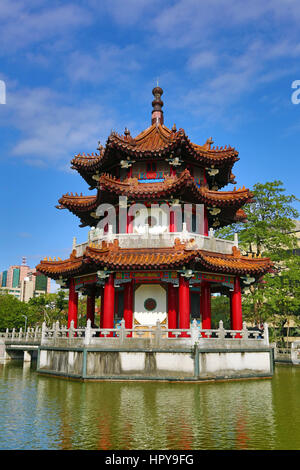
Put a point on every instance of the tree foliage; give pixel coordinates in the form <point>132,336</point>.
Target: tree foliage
<point>269,232</point>
<point>47,307</point>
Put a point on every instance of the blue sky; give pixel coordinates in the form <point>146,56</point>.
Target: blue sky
<point>75,70</point>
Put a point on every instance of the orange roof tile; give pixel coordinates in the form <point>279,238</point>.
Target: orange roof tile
<point>182,186</point>
<point>157,141</point>
<point>114,258</point>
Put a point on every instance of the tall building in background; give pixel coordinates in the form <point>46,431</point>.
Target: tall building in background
<point>24,282</point>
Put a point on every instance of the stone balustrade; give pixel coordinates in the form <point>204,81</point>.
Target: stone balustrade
<point>31,335</point>
<point>146,239</point>
<point>157,335</point>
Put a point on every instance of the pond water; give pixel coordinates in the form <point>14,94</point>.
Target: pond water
<point>38,412</point>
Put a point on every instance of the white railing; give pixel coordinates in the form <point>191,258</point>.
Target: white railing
<point>158,334</point>
<point>30,335</point>
<point>295,352</point>
<point>195,241</point>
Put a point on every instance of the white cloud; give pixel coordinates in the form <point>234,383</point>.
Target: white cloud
<point>53,130</point>
<point>202,59</point>
<point>107,62</point>
<point>23,23</point>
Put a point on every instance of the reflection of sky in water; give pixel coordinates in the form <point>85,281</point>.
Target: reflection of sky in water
<point>48,413</point>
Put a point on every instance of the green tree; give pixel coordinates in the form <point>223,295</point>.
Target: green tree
<point>220,310</point>
<point>269,226</point>
<point>49,308</point>
<point>268,232</point>
<point>12,311</point>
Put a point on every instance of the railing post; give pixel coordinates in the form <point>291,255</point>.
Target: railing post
<point>6,333</point>
<point>221,331</point>
<point>36,333</point>
<point>244,331</point>
<point>266,334</point>
<point>158,333</point>
<point>71,329</point>
<point>122,330</point>
<point>13,333</point>
<point>56,328</point>
<point>44,328</point>
<point>194,332</point>
<point>88,330</point>
<point>20,333</point>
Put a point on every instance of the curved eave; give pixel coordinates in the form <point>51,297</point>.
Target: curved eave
<point>56,269</point>
<point>81,206</point>
<point>181,186</point>
<point>113,258</point>
<point>156,142</point>
<point>231,264</point>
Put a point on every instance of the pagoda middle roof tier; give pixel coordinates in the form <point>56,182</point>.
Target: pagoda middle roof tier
<point>156,142</point>
<point>182,188</point>
<point>113,258</point>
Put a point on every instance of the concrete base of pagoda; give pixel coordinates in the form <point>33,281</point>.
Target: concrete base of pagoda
<point>176,364</point>
<point>154,325</point>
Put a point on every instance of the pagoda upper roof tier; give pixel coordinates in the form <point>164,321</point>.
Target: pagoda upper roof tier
<point>182,188</point>
<point>113,258</point>
<point>157,142</point>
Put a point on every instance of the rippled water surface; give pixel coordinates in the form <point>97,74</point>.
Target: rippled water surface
<point>38,412</point>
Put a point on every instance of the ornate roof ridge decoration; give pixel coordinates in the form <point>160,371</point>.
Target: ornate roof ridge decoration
<point>70,201</point>
<point>156,141</point>
<point>112,257</point>
<point>180,186</point>
<point>166,137</point>
<point>132,187</point>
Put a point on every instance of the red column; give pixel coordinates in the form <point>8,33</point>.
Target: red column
<point>230,303</point>
<point>73,304</point>
<point>109,303</point>
<point>205,306</point>
<point>90,307</point>
<point>236,306</point>
<point>172,308</point>
<point>184,304</point>
<point>128,306</point>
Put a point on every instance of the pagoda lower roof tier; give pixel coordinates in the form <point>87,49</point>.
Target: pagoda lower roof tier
<point>182,188</point>
<point>113,258</point>
<point>157,142</point>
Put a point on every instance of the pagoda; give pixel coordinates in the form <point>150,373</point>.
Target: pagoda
<point>151,253</point>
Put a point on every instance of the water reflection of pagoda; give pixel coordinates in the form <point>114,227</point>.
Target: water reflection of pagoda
<point>153,255</point>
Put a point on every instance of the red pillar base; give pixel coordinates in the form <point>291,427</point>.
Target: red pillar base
<point>236,307</point>
<point>73,304</point>
<point>109,304</point>
<point>184,305</point>
<point>205,306</point>
<point>128,306</point>
<point>172,309</point>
